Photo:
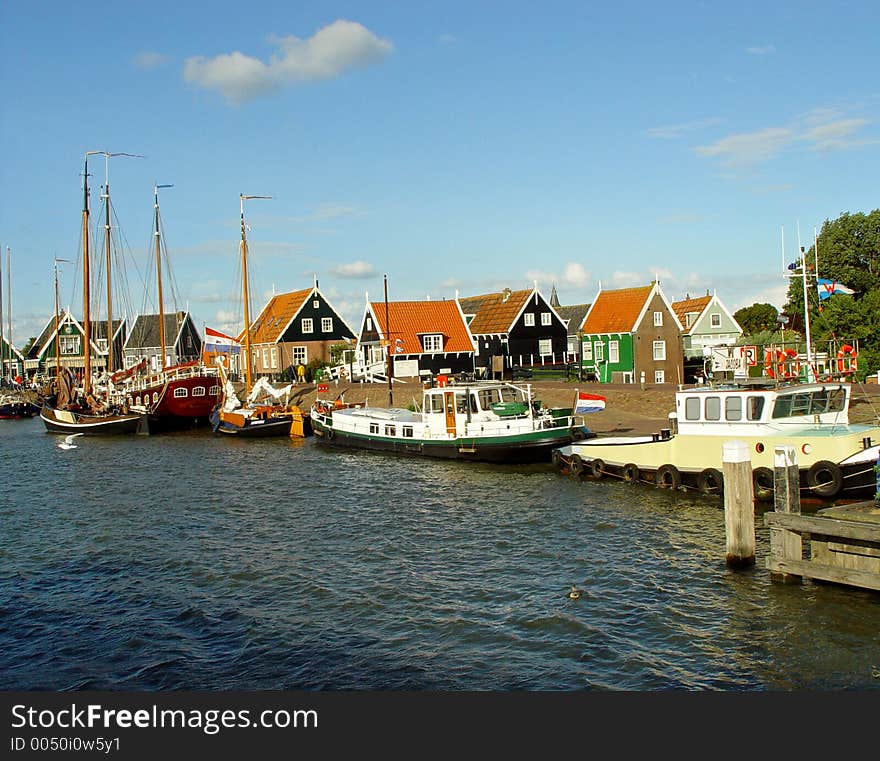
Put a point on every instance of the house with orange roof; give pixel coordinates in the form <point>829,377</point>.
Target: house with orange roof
<point>423,337</point>
<point>708,325</point>
<point>295,328</point>
<point>632,334</point>
<point>515,327</point>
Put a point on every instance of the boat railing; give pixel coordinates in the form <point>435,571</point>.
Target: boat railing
<point>180,372</point>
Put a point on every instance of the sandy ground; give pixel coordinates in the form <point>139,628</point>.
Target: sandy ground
<point>629,409</point>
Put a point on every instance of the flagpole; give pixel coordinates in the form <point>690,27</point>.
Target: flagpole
<point>811,374</point>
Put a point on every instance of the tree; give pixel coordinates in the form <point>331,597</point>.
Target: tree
<point>27,347</point>
<point>756,318</point>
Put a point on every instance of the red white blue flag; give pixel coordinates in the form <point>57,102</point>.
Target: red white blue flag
<point>218,342</point>
<point>588,403</point>
<point>829,288</point>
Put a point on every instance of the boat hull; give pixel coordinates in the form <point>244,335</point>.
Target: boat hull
<point>177,404</point>
<point>67,422</point>
<point>532,447</point>
<point>18,410</point>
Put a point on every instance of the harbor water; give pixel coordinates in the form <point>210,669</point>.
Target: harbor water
<point>191,562</point>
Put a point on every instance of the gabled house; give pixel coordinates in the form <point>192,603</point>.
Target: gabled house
<point>424,337</point>
<point>632,335</point>
<point>573,317</point>
<point>70,339</point>
<point>12,359</point>
<point>182,340</point>
<point>516,328</point>
<point>295,328</point>
<point>707,324</point>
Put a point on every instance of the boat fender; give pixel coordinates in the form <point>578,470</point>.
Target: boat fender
<point>557,459</point>
<point>630,473</point>
<point>597,469</point>
<point>330,433</point>
<point>762,483</point>
<point>710,481</point>
<point>576,466</point>
<point>825,478</point>
<point>668,477</point>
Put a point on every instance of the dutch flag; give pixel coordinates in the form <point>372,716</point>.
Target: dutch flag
<point>588,403</point>
<point>218,342</point>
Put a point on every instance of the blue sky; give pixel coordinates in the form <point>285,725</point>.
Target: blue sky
<point>452,146</point>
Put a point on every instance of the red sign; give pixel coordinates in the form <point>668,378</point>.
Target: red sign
<point>323,387</point>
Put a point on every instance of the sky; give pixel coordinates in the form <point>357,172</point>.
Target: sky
<point>455,147</point>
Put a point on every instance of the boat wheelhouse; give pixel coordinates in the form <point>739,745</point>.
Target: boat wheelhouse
<point>835,457</point>
<point>483,420</point>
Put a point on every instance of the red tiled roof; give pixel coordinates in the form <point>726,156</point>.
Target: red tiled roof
<point>689,306</point>
<point>616,311</point>
<point>494,314</point>
<point>411,319</point>
<point>275,316</point>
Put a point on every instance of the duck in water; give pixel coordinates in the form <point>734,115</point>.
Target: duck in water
<point>575,593</point>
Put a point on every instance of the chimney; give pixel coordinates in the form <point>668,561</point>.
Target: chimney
<point>505,295</point>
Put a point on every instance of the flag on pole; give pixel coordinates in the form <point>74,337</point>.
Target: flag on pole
<point>829,288</point>
<point>585,403</point>
<point>218,342</point>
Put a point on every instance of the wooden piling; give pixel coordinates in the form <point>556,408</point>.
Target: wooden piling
<point>786,499</point>
<point>739,504</point>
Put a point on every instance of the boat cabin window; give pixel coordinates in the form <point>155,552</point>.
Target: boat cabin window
<point>390,430</point>
<point>489,396</point>
<point>374,428</point>
<point>461,402</point>
<point>809,403</point>
<point>436,403</point>
<point>754,407</point>
<point>407,431</point>
<point>713,408</point>
<point>692,408</point>
<point>733,408</point>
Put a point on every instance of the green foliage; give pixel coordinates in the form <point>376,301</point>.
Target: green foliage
<point>336,352</point>
<point>849,252</point>
<point>756,318</point>
<point>28,345</point>
<point>313,369</point>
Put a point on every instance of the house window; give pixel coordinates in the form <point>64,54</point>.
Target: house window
<point>179,393</point>
<point>326,324</point>
<point>299,355</point>
<point>545,346</point>
<point>546,318</point>
<point>716,320</point>
<point>316,304</point>
<point>265,357</point>
<point>433,342</point>
<point>307,325</point>
<point>529,318</point>
<point>369,323</point>
<point>659,351</point>
<point>102,344</point>
<point>658,319</point>
<point>273,353</point>
<point>599,351</point>
<point>614,352</point>
<point>199,391</point>
<point>659,376</point>
<point>69,344</point>
<point>588,351</point>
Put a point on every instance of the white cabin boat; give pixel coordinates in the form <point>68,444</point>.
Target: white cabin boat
<point>482,420</point>
<point>834,456</point>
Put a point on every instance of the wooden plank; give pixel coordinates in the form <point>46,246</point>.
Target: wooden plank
<point>812,570</point>
<point>828,526</point>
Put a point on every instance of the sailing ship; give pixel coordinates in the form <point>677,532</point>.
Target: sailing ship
<point>488,421</point>
<point>263,414</point>
<point>171,397</point>
<point>86,409</point>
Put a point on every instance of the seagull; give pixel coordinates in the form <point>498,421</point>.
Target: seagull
<point>575,593</point>
<point>68,441</point>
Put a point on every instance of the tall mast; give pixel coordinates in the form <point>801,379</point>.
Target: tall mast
<point>246,296</point>
<point>2,341</point>
<point>810,374</point>
<point>57,356</point>
<point>158,238</point>
<point>86,275</point>
<point>9,303</point>
<point>388,339</point>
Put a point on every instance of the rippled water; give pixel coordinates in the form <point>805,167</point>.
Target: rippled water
<point>189,562</point>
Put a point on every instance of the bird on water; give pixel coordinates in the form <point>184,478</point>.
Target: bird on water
<point>575,593</point>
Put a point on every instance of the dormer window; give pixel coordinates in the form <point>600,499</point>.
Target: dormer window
<point>690,318</point>
<point>432,342</point>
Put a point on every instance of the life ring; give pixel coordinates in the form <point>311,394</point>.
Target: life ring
<point>710,481</point>
<point>825,478</point>
<point>596,469</point>
<point>576,466</point>
<point>790,365</point>
<point>774,363</point>
<point>847,360</point>
<point>630,473</point>
<point>762,483</point>
<point>668,477</point>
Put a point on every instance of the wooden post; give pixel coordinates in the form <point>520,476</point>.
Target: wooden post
<point>786,499</point>
<point>739,504</point>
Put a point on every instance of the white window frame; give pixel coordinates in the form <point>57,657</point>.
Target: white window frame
<point>273,357</point>
<point>265,357</point>
<point>181,392</point>
<point>545,346</point>
<point>658,349</point>
<point>316,305</point>
<point>588,351</point>
<point>307,325</point>
<point>529,319</point>
<point>598,351</point>
<point>198,390</point>
<point>432,342</point>
<point>613,352</point>
<point>659,376</point>
<point>715,319</point>
<point>326,324</point>
<point>299,354</point>
<point>369,323</point>
<point>69,346</point>
<point>546,318</point>
<point>658,319</point>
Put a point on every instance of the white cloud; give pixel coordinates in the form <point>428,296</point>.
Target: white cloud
<point>835,135</point>
<point>148,60</point>
<point>678,130</point>
<point>354,270</point>
<point>574,275</point>
<point>761,50</point>
<point>332,50</point>
<point>749,147</point>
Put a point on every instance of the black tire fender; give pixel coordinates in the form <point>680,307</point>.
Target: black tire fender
<point>668,477</point>
<point>762,483</point>
<point>630,473</point>
<point>825,478</point>
<point>576,466</point>
<point>710,481</point>
<point>596,469</point>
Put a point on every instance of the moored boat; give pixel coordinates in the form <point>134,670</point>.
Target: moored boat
<point>17,405</point>
<point>835,458</point>
<point>488,421</point>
